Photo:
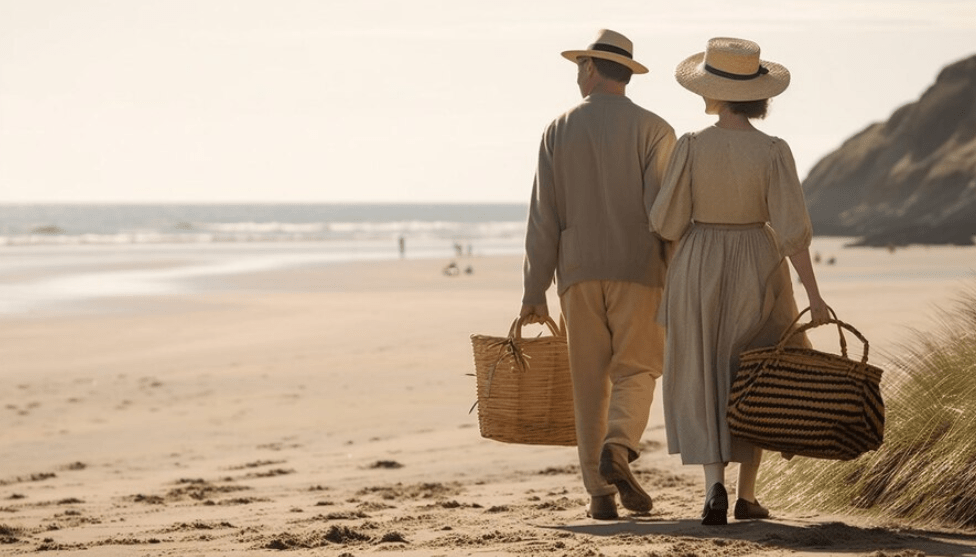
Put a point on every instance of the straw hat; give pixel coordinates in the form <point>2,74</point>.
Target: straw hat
<point>612,46</point>
<point>730,70</point>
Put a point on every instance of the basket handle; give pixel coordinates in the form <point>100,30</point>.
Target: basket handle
<point>790,331</point>
<point>515,332</point>
<point>840,324</point>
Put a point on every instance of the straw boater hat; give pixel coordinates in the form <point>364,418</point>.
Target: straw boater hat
<point>609,45</point>
<point>730,70</point>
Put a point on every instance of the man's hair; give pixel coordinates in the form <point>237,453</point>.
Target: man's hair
<point>750,109</point>
<point>612,70</point>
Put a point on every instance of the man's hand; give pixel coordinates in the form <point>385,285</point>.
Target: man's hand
<point>534,313</point>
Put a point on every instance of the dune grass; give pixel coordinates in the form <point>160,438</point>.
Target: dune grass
<point>925,472</point>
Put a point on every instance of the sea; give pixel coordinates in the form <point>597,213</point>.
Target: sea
<point>65,258</point>
<point>57,255</point>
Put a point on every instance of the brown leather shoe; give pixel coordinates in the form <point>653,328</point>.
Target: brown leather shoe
<point>615,469</point>
<point>750,510</point>
<point>603,507</point>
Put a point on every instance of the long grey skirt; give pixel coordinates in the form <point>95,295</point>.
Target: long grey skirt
<point>728,290</point>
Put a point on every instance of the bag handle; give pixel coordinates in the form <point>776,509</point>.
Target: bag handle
<point>511,344</point>
<point>790,331</point>
<point>840,324</point>
<point>515,332</point>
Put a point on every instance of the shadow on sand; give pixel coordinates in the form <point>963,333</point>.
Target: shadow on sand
<point>812,537</point>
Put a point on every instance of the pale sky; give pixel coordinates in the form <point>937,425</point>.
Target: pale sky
<point>402,100</point>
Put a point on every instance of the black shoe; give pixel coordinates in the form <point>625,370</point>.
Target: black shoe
<point>616,470</point>
<point>746,510</point>
<point>716,508</point>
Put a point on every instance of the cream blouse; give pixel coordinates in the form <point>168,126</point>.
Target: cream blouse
<point>723,176</point>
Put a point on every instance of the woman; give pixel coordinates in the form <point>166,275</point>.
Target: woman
<point>732,200</point>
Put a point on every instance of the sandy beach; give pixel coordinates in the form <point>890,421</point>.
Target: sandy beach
<point>324,411</point>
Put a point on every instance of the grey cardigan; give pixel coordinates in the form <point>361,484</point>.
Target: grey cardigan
<point>600,167</point>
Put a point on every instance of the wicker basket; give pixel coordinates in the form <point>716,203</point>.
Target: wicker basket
<point>799,401</point>
<point>525,392</point>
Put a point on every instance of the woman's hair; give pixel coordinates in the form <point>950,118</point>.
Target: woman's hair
<point>750,109</point>
<point>612,70</point>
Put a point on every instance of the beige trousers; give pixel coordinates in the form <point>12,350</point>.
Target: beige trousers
<point>616,350</point>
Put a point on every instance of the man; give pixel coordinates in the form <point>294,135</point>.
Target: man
<point>600,167</point>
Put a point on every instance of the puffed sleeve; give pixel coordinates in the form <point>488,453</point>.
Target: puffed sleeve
<point>788,214</point>
<point>671,212</point>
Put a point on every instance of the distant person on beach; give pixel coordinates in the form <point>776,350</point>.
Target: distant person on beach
<point>402,243</point>
<point>732,200</point>
<point>600,167</point>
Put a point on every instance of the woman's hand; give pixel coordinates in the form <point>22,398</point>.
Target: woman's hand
<point>819,313</point>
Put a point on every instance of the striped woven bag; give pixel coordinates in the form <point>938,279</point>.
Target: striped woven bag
<point>800,401</point>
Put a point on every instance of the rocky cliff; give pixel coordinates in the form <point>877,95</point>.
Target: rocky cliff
<point>909,180</point>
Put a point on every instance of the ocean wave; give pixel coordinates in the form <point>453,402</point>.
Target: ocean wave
<point>262,227</point>
<point>278,232</point>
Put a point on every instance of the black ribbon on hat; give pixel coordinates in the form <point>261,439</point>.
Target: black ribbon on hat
<point>763,70</point>
<point>610,48</point>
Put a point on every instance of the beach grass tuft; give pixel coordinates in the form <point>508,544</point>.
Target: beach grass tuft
<point>925,471</point>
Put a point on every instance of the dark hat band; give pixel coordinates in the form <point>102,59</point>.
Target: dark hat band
<point>610,48</point>
<point>736,76</point>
